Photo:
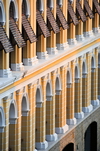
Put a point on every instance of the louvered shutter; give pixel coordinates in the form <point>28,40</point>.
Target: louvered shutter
<point>52,21</point>
<point>72,14</point>
<point>42,25</point>
<point>80,11</point>
<point>4,41</point>
<point>88,9</point>
<point>61,20</point>
<point>96,5</point>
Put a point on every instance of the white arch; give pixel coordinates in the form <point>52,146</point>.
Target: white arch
<point>15,8</point>
<point>27,7</point>
<point>93,62</point>
<point>25,105</point>
<point>38,95</point>
<point>2,120</point>
<point>12,112</point>
<point>69,76</point>
<point>48,88</point>
<point>58,83</point>
<point>2,13</point>
<point>50,4</point>
<point>77,72</point>
<point>84,67</point>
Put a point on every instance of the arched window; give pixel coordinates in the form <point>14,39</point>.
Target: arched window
<point>2,120</point>
<point>2,13</point>
<point>58,86</point>
<point>12,113</point>
<point>25,106</point>
<point>40,6</point>
<point>60,2</point>
<point>39,97</point>
<point>50,4</point>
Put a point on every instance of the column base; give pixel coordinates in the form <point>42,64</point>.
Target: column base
<point>96,30</point>
<point>52,51</point>
<point>61,130</point>
<point>80,37</point>
<point>87,109</point>
<point>51,138</point>
<point>17,66</point>
<point>5,73</point>
<point>71,121</point>
<point>88,33</point>
<point>30,61</point>
<point>63,46</point>
<point>72,41</point>
<point>42,55</point>
<point>79,115</point>
<point>41,145</point>
<point>95,102</point>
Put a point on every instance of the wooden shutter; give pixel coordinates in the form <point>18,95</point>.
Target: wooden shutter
<point>16,33</point>
<point>4,41</point>
<point>96,5</point>
<point>61,18</point>
<point>43,27</point>
<point>72,14</point>
<point>80,11</point>
<point>28,29</point>
<point>88,9</point>
<point>52,21</point>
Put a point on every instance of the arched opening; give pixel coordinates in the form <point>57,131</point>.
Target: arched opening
<point>84,87</point>
<point>49,114</point>
<point>90,137</point>
<point>69,107</point>
<point>2,125</point>
<point>94,83</point>
<point>39,120</point>
<point>38,95</point>
<point>28,34</point>
<point>77,107</point>
<point>69,147</point>
<point>92,63</point>
<point>99,75</point>
<point>12,125</point>
<point>58,85</point>
<point>76,72</point>
<point>24,123</point>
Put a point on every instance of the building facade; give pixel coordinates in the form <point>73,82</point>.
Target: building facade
<point>49,75</point>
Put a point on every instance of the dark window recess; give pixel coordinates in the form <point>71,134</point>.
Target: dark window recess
<point>61,20</point>
<point>80,11</point>
<point>96,5</point>
<point>41,26</point>
<point>72,14</point>
<point>88,9</point>
<point>28,29</point>
<point>52,21</point>
<point>16,33</point>
<point>4,41</point>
